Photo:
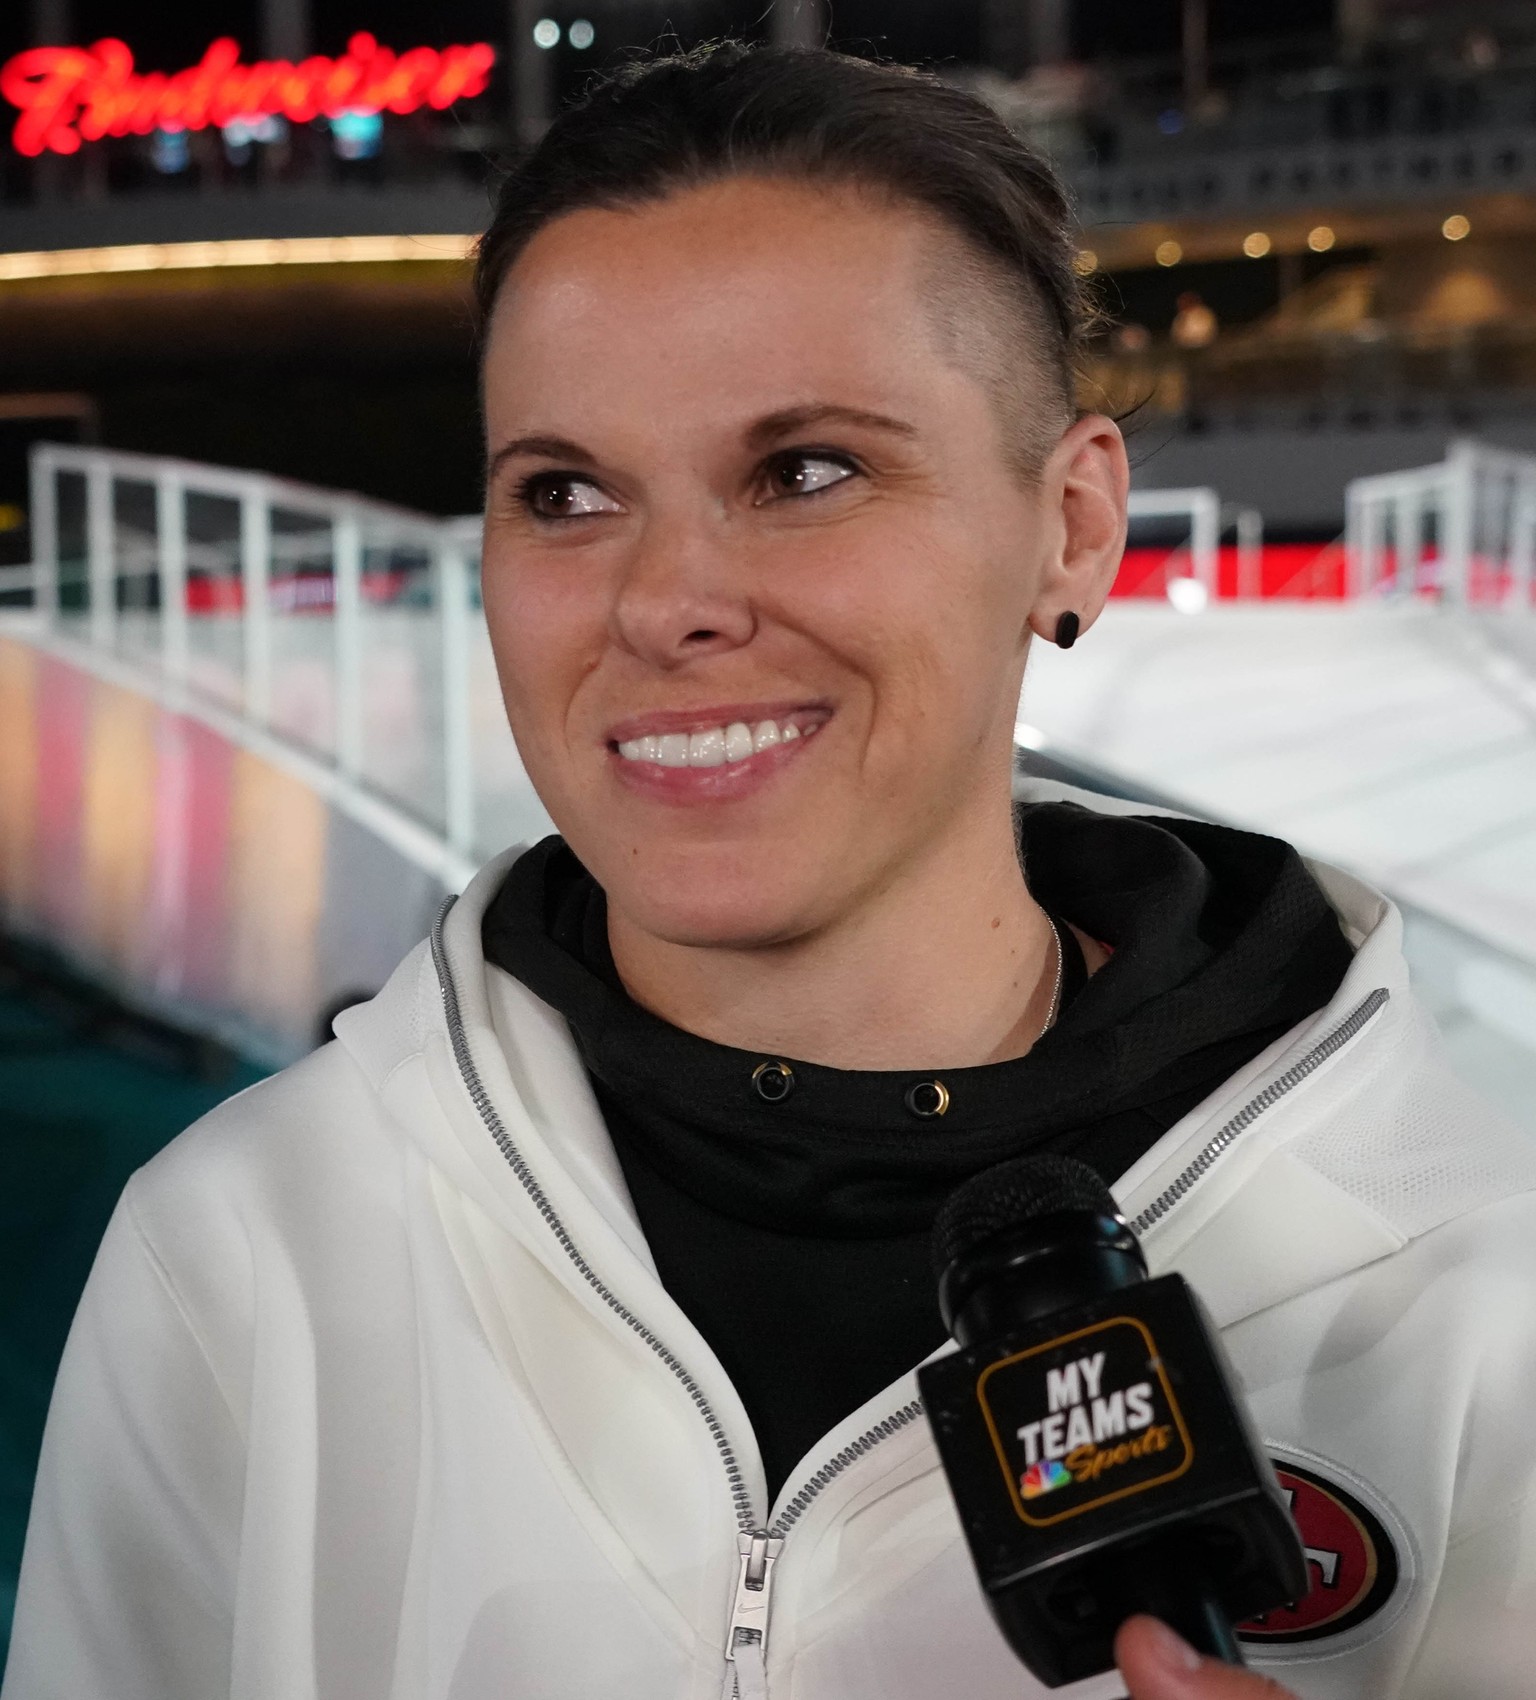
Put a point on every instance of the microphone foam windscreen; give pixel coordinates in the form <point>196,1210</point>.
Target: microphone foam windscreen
<point>1012,1193</point>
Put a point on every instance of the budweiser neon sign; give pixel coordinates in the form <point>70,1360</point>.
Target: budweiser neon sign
<point>70,95</point>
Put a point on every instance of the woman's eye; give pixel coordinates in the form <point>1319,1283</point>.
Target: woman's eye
<point>563,495</point>
<point>801,473</point>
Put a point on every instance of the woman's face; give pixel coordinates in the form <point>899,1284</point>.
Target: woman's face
<point>759,565</point>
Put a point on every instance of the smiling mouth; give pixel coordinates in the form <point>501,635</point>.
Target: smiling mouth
<point>720,745</point>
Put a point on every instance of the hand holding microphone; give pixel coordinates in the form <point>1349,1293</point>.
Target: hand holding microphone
<point>1159,1665</point>
<point>1099,1457</point>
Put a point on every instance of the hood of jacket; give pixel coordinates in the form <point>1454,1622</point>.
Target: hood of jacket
<point>1328,1152</point>
<point>515,1092</point>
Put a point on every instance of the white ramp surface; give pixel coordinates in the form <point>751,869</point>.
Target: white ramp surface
<point>1399,741</point>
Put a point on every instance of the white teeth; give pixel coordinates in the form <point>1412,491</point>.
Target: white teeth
<point>712,747</point>
<point>707,749</point>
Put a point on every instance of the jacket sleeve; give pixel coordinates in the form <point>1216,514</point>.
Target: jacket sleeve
<point>127,1578</point>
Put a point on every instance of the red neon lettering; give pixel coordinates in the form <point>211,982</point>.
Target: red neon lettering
<point>42,82</point>
<point>66,95</point>
<point>191,93</point>
<point>465,69</point>
<point>413,75</point>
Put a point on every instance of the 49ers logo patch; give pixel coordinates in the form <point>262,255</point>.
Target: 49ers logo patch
<point>1351,1559</point>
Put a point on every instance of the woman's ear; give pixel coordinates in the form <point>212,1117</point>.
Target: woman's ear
<point>1087,477</point>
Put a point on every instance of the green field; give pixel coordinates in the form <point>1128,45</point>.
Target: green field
<point>89,1092</point>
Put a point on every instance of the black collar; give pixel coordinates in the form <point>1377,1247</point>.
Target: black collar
<point>1219,939</point>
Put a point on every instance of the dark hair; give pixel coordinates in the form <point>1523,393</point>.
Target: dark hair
<point>730,109</point>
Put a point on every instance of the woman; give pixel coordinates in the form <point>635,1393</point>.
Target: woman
<point>478,1353</point>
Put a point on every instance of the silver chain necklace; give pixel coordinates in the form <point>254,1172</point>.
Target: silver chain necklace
<point>1055,1006</point>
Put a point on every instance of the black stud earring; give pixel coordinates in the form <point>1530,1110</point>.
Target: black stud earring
<point>1066,629</point>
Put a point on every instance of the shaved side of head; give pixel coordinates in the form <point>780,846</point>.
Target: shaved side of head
<point>992,326</point>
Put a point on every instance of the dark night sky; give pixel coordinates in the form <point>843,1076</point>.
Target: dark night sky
<point>1146,27</point>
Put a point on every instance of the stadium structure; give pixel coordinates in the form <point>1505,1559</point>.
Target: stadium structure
<point>250,733</point>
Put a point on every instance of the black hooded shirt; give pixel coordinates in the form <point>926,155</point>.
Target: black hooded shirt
<point>794,1231</point>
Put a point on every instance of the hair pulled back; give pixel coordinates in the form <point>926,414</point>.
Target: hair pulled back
<point>730,109</point>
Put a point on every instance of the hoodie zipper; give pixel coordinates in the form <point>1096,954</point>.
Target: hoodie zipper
<point>747,1633</point>
<point>742,1500</point>
<point>759,1549</point>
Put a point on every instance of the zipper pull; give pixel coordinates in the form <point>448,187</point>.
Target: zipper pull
<point>746,1637</point>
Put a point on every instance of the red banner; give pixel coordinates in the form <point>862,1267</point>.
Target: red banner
<point>67,95</point>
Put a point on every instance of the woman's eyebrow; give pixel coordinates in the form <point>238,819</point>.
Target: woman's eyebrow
<point>550,448</point>
<point>789,420</point>
<point>769,429</point>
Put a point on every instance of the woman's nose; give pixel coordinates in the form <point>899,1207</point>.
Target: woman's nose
<point>680,596</point>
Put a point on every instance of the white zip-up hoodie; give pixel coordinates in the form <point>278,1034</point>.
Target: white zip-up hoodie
<point>374,1394</point>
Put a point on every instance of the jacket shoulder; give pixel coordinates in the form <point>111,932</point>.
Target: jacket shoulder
<point>1410,1140</point>
<point>296,1124</point>
<point>263,1148</point>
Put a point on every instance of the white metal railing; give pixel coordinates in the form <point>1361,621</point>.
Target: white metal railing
<point>350,629</point>
<point>1464,530</point>
<point>344,627</point>
<point>1200,507</point>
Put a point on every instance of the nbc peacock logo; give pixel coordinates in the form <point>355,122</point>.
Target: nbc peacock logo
<point>1043,1475</point>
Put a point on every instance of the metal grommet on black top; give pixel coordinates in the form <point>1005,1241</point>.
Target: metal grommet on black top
<point>929,1098</point>
<point>773,1081</point>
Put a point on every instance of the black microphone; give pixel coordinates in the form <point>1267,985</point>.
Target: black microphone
<point>1097,1448</point>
